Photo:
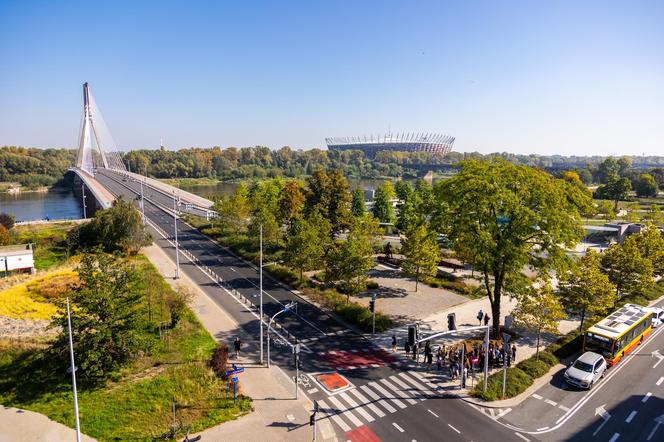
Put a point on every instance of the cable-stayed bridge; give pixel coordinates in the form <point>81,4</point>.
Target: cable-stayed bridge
<point>98,157</point>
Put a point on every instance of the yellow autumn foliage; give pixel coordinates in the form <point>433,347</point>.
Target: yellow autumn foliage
<point>33,299</point>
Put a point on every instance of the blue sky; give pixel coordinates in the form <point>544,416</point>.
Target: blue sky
<point>529,77</point>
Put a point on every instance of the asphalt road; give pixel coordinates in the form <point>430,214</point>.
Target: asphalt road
<point>390,399</point>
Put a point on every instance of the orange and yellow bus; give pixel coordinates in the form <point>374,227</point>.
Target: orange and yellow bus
<point>616,335</point>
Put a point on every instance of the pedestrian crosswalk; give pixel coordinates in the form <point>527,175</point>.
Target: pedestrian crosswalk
<point>376,399</point>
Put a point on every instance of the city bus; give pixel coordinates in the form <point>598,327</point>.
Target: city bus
<point>619,333</point>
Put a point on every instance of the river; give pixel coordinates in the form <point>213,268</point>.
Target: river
<point>32,206</point>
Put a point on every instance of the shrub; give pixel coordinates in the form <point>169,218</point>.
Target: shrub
<point>567,345</point>
<point>284,274</point>
<point>219,361</point>
<point>533,367</point>
<point>7,220</point>
<point>372,285</point>
<point>517,382</point>
<point>548,358</point>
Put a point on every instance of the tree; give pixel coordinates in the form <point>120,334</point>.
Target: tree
<point>306,243</point>
<point>629,271</point>
<point>650,242</point>
<point>403,190</point>
<point>616,189</point>
<point>646,186</point>
<point>105,318</point>
<point>291,202</point>
<point>654,215</point>
<point>607,171</point>
<point>538,309</point>
<point>118,228</point>
<point>383,209</point>
<point>624,164</point>
<point>357,206</point>
<point>4,236</point>
<point>501,218</point>
<point>349,261</point>
<point>606,209</point>
<point>421,251</point>
<point>585,176</point>
<point>328,193</point>
<point>585,288</point>
<point>7,220</point>
<point>234,211</point>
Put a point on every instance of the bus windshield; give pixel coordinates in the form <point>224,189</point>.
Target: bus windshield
<point>599,344</point>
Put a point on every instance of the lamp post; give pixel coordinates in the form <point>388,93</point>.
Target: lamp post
<point>73,375</point>
<point>142,205</point>
<point>83,197</point>
<point>177,246</point>
<point>260,278</point>
<point>286,308</point>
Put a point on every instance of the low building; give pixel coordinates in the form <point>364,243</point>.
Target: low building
<point>16,258</point>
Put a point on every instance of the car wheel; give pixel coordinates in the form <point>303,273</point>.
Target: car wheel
<point>591,385</point>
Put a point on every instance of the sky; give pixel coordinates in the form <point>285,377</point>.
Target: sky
<point>569,78</point>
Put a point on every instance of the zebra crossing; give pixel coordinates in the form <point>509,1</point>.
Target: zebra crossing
<point>376,399</point>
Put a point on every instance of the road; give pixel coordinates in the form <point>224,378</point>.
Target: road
<point>390,398</point>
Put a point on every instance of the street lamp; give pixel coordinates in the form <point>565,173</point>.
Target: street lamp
<point>83,196</point>
<point>73,375</point>
<point>286,308</point>
<point>177,246</point>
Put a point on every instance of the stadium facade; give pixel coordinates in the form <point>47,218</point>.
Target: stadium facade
<point>410,142</point>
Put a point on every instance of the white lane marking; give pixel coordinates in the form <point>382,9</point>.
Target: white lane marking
<point>395,393</point>
<point>537,396</point>
<point>387,395</point>
<point>432,412</point>
<point>631,416</point>
<point>550,402</point>
<point>356,407</point>
<point>417,385</point>
<point>397,427</point>
<point>378,399</point>
<point>233,269</point>
<point>375,365</point>
<point>350,367</point>
<point>564,408</point>
<point>652,433</point>
<point>543,428</point>
<point>425,380</point>
<point>646,397</point>
<point>502,413</point>
<point>334,416</point>
<point>367,402</point>
<point>454,428</point>
<point>344,411</point>
<point>522,436</point>
<point>406,390</point>
<point>659,381</point>
<point>614,437</point>
<point>312,391</point>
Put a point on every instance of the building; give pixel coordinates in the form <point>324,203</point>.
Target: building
<point>432,143</point>
<point>17,258</point>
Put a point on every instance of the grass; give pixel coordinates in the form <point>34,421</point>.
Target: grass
<point>135,404</point>
<point>50,247</point>
<point>31,300</point>
<point>190,181</point>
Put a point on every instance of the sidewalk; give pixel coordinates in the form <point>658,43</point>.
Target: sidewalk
<point>27,426</point>
<point>277,414</point>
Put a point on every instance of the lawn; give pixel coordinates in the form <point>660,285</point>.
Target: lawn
<point>31,300</point>
<point>136,403</point>
<point>50,246</point>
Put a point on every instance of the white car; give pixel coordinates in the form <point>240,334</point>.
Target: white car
<point>586,370</point>
<point>657,316</point>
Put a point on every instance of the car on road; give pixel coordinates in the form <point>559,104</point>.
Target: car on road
<point>586,370</point>
<point>657,316</point>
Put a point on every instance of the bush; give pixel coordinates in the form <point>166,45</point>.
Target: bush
<point>567,345</point>
<point>284,274</point>
<point>548,358</point>
<point>533,367</point>
<point>7,220</point>
<point>372,285</point>
<point>219,361</point>
<point>517,382</point>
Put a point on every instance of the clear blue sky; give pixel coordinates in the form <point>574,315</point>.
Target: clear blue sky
<point>528,77</point>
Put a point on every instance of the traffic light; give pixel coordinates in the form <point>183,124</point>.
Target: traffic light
<point>411,336</point>
<point>312,419</point>
<point>451,321</point>
<point>372,306</point>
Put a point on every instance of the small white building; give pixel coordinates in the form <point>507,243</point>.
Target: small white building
<point>16,258</point>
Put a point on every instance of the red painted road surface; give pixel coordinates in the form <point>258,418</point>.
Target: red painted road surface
<point>346,360</point>
<point>362,434</point>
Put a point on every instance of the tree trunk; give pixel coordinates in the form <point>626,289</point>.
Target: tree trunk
<point>538,341</point>
<point>417,278</point>
<point>583,317</point>
<point>495,305</point>
<point>301,272</point>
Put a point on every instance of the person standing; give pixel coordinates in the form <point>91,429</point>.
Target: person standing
<point>480,316</point>
<point>486,319</point>
<point>237,344</point>
<point>415,352</point>
<point>394,342</point>
<point>513,353</point>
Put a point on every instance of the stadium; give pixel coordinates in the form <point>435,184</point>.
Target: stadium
<point>431,142</point>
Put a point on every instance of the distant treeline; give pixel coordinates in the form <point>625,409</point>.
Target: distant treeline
<point>33,167</point>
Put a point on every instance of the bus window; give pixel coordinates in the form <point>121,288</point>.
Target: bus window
<point>599,344</point>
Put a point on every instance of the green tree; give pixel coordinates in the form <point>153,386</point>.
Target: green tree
<point>607,171</point>
<point>383,209</point>
<point>403,190</point>
<point>349,261</point>
<point>7,220</point>
<point>105,318</point>
<point>624,165</point>
<point>329,194</point>
<point>586,289</point>
<point>538,309</point>
<point>358,207</point>
<point>501,218</point>
<point>234,211</point>
<point>654,215</point>
<point>616,189</point>
<point>606,208</point>
<point>629,271</point>
<point>291,202</point>
<point>646,186</point>
<point>650,242</point>
<point>421,252</point>
<point>306,243</point>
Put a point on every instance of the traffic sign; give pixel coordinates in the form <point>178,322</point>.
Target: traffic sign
<point>234,379</point>
<point>235,371</point>
<point>506,337</point>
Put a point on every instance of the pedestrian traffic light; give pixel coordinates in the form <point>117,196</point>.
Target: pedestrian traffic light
<point>372,306</point>
<point>411,336</point>
<point>451,321</point>
<point>312,419</point>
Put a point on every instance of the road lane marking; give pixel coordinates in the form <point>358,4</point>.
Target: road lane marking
<point>334,416</point>
<point>406,390</point>
<point>646,397</point>
<point>537,396</point>
<point>630,417</point>
<point>417,385</point>
<point>614,437</point>
<point>659,381</point>
<point>378,399</point>
<point>522,436</point>
<point>454,428</point>
<point>395,391</point>
<point>550,402</point>
<point>397,427</point>
<point>356,407</point>
<point>543,428</point>
<point>432,412</point>
<point>502,413</point>
<point>312,391</point>
<point>344,411</point>
<point>367,402</point>
<point>387,395</point>
<point>564,408</point>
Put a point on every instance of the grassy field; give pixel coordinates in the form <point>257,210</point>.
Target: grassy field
<point>32,299</point>
<point>136,403</point>
<point>50,247</point>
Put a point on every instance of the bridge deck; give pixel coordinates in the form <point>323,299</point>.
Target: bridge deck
<point>103,196</point>
<point>170,190</point>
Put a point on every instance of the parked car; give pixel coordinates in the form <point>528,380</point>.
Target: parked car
<point>657,316</point>
<point>586,370</point>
